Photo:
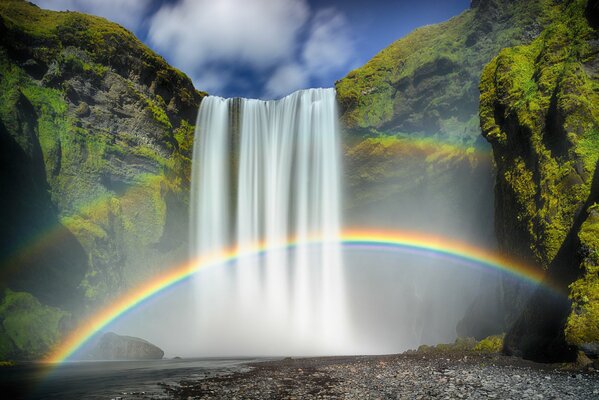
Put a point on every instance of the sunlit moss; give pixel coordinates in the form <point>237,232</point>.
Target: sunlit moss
<point>490,344</point>
<point>438,68</point>
<point>524,92</point>
<point>540,110</point>
<point>583,323</point>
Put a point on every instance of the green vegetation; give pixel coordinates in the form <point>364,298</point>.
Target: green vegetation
<point>424,87</point>
<point>97,37</point>
<point>386,164</point>
<point>583,323</point>
<point>543,90</point>
<point>540,111</point>
<point>427,82</point>
<point>460,345</point>
<point>491,344</point>
<point>114,124</point>
<point>158,111</point>
<point>28,329</point>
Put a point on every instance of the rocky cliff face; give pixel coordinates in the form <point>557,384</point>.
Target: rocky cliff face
<point>539,110</point>
<point>423,90</point>
<point>96,133</point>
<point>427,82</point>
<point>414,148</point>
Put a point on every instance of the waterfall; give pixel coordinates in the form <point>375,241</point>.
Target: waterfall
<point>268,171</point>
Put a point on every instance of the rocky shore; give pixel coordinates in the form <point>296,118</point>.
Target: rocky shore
<point>465,375</point>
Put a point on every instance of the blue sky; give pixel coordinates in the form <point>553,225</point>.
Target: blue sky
<point>266,48</point>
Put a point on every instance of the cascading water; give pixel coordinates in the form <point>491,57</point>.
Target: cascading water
<point>268,171</point>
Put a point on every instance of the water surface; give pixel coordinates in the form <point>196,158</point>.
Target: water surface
<point>109,379</point>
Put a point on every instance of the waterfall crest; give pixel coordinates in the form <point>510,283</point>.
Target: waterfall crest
<point>268,171</point>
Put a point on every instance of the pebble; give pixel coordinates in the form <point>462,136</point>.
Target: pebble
<point>401,376</point>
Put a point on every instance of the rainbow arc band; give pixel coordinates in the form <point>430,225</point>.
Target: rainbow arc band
<point>398,241</point>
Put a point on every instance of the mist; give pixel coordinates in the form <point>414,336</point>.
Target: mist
<point>392,301</point>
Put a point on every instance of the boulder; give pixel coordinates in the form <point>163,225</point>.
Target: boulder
<point>116,347</point>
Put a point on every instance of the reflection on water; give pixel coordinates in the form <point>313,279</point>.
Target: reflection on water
<point>110,379</point>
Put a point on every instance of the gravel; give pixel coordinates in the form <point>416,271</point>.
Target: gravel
<point>405,376</point>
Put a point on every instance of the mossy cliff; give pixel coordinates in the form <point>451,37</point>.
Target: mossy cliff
<point>96,133</point>
<point>427,82</point>
<point>414,152</point>
<point>540,111</point>
<point>425,85</point>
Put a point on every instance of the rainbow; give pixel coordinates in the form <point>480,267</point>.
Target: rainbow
<point>366,239</point>
<point>429,149</point>
<point>399,145</point>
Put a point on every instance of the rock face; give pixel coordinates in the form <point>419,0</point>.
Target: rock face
<point>427,82</point>
<point>96,133</point>
<point>116,347</point>
<point>540,112</point>
<point>414,150</point>
<point>411,118</point>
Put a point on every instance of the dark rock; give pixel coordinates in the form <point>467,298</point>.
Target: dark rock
<point>462,375</point>
<point>116,347</point>
<point>592,13</point>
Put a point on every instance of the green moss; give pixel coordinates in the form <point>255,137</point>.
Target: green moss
<point>76,159</point>
<point>386,166</point>
<point>72,62</point>
<point>158,111</point>
<point>539,110</point>
<point>27,327</point>
<point>490,344</point>
<point>109,188</point>
<point>460,345</point>
<point>184,136</point>
<point>583,323</point>
<point>430,76</point>
<point>100,38</point>
<point>82,227</point>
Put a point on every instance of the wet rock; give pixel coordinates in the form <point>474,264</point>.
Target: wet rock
<point>406,376</point>
<point>116,347</point>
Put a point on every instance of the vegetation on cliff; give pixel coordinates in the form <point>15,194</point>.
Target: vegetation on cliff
<point>28,328</point>
<point>425,85</point>
<point>423,89</point>
<point>427,82</point>
<point>97,132</point>
<point>540,111</point>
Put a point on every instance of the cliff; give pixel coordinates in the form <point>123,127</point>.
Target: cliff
<point>540,111</point>
<point>427,82</point>
<point>414,107</point>
<point>96,133</point>
<point>414,152</point>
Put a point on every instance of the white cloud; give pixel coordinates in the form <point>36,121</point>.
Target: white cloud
<point>211,79</point>
<point>286,79</point>
<point>329,46</point>
<point>212,39</point>
<point>129,13</point>
<point>327,49</point>
<point>258,33</point>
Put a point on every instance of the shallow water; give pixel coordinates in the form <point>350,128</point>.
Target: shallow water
<point>109,379</point>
